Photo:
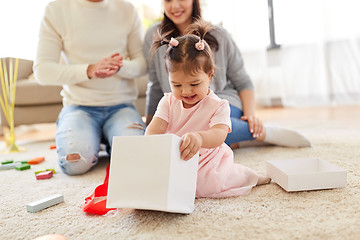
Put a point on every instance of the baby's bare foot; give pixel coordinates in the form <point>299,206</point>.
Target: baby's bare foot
<point>263,180</point>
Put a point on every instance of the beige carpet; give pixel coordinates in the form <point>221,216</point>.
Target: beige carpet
<point>268,212</point>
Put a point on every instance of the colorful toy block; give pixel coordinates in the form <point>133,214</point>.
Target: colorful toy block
<point>52,237</point>
<point>40,171</point>
<point>7,162</point>
<point>44,170</point>
<point>22,162</point>
<point>44,175</point>
<point>9,166</point>
<point>33,161</point>
<point>44,203</point>
<point>51,169</point>
<point>52,146</point>
<point>22,167</point>
<point>36,160</point>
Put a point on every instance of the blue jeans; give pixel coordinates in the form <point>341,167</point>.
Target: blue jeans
<point>240,129</point>
<point>81,130</point>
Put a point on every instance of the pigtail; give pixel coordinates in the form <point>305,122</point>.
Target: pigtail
<point>202,29</point>
<point>158,41</point>
<point>172,52</point>
<point>190,52</point>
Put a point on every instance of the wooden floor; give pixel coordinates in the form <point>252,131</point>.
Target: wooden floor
<point>347,115</point>
<point>35,132</point>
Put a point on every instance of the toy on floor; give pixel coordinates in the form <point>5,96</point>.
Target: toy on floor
<point>7,162</point>
<point>51,169</point>
<point>33,161</point>
<point>36,160</point>
<point>44,203</point>
<point>40,171</point>
<point>44,175</point>
<point>16,165</point>
<point>22,167</point>
<point>44,170</point>
<point>9,166</point>
<point>51,237</point>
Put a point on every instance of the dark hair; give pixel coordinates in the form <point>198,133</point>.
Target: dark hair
<point>168,28</point>
<point>185,55</point>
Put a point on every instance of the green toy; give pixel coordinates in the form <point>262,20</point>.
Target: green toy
<point>22,167</point>
<point>7,162</point>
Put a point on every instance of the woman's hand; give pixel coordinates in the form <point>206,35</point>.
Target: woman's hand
<point>190,145</point>
<point>106,67</point>
<point>255,125</point>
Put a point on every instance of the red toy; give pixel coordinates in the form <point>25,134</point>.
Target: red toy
<point>44,175</point>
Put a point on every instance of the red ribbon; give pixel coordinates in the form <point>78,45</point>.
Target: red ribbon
<point>98,207</point>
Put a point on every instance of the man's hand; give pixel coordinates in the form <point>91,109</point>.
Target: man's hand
<point>106,67</point>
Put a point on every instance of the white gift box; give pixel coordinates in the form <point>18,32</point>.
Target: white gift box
<point>305,174</point>
<point>146,172</point>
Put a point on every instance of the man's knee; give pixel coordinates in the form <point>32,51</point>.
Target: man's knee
<point>73,157</point>
<point>76,164</point>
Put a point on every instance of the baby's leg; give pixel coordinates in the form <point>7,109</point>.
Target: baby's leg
<point>77,140</point>
<point>263,180</point>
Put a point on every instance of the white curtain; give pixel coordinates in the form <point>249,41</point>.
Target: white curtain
<point>319,59</point>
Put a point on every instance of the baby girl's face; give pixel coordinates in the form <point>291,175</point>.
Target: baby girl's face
<point>189,89</point>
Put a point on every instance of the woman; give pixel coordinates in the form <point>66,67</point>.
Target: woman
<point>230,81</point>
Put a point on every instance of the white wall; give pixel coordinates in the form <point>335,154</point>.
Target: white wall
<point>19,26</point>
<point>319,59</point>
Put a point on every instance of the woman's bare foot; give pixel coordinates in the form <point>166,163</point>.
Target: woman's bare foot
<point>263,180</point>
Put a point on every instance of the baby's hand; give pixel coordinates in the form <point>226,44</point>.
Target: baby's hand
<point>190,145</point>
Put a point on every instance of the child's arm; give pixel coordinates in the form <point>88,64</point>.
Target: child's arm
<point>156,126</point>
<point>193,141</point>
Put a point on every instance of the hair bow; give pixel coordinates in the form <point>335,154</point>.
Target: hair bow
<point>200,45</point>
<point>173,42</point>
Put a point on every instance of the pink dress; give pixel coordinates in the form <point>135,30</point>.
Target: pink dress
<point>218,175</point>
